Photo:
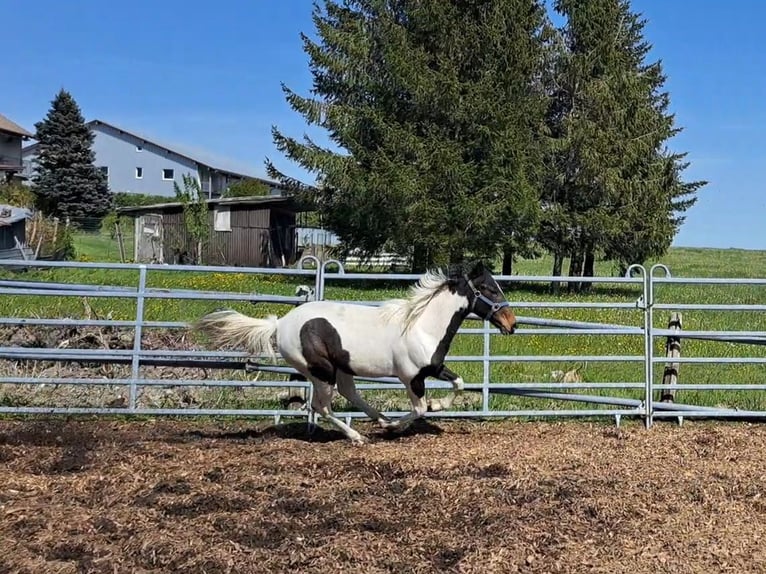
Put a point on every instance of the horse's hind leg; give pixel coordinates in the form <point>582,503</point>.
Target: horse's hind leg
<point>348,390</point>
<point>458,385</point>
<point>322,404</point>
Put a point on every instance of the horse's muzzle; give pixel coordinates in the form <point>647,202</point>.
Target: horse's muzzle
<point>505,320</point>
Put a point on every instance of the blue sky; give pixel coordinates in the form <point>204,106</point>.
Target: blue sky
<point>208,75</point>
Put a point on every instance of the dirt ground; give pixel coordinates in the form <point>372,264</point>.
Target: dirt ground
<point>193,496</point>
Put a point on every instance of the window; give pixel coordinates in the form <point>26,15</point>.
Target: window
<point>104,169</point>
<point>167,174</point>
<point>139,172</point>
<point>222,218</point>
<point>139,148</point>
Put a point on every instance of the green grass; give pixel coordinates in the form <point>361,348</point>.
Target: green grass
<point>682,263</point>
<point>102,246</point>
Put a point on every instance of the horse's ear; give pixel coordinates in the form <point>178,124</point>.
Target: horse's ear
<point>476,268</point>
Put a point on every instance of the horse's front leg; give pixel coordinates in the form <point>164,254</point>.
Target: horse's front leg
<point>416,391</point>
<point>458,385</point>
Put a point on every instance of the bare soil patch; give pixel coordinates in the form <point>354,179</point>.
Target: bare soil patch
<point>196,496</point>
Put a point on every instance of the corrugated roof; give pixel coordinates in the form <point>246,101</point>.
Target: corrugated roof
<point>252,200</point>
<point>7,125</point>
<point>10,214</point>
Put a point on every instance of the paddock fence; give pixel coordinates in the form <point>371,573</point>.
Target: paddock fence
<point>57,374</point>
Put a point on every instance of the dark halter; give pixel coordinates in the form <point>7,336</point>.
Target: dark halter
<point>492,307</point>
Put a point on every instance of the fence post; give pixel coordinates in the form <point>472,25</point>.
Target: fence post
<point>138,335</point>
<point>672,351</point>
<point>341,271</point>
<point>649,351</point>
<point>317,276</point>
<point>643,303</point>
<point>311,419</point>
<point>486,367</point>
<point>649,337</point>
<point>120,244</point>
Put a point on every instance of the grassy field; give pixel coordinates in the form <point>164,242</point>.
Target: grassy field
<point>682,262</point>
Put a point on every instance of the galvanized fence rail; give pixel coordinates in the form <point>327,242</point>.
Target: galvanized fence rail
<point>320,273</point>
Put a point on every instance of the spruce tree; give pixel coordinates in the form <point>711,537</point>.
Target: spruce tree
<point>437,108</point>
<point>66,182</point>
<point>617,191</point>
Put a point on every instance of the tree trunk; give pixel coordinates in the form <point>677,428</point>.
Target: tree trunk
<point>589,267</point>
<point>507,261</point>
<point>575,270</point>
<point>420,258</point>
<point>558,263</point>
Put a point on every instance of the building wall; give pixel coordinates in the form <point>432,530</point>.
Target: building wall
<point>120,153</point>
<point>257,238</point>
<point>10,148</point>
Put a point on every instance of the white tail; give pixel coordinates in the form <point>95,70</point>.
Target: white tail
<point>233,328</point>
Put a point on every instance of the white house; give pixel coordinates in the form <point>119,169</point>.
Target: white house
<point>136,163</point>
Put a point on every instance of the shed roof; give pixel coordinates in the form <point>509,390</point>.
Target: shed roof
<point>10,214</point>
<point>7,125</point>
<point>260,201</point>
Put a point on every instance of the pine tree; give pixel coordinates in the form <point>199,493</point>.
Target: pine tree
<point>67,183</point>
<point>617,191</point>
<point>436,107</point>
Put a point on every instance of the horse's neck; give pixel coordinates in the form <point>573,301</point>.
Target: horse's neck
<point>443,316</point>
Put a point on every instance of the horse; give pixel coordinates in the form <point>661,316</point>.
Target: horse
<point>330,342</point>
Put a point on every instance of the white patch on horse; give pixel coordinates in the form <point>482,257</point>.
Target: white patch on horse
<point>444,403</point>
<point>407,311</point>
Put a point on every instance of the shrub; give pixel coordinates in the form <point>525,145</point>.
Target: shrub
<point>17,195</point>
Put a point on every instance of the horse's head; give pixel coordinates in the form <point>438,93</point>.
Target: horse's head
<point>485,298</point>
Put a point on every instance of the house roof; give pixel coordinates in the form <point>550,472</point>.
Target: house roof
<point>205,158</point>
<point>7,125</point>
<point>10,214</point>
<point>263,201</point>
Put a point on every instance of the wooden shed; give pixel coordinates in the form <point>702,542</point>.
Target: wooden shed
<point>244,231</point>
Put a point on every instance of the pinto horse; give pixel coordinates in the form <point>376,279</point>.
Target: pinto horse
<point>330,342</point>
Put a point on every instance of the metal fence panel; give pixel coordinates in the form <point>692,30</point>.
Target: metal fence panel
<point>324,273</point>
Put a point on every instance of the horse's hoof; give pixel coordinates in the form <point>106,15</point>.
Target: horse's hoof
<point>390,426</point>
<point>359,440</point>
